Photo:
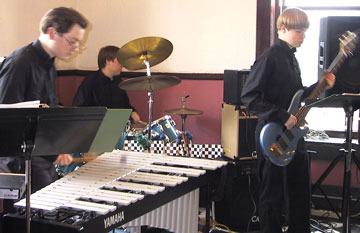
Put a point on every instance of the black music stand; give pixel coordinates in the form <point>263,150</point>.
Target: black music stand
<point>350,103</point>
<point>51,131</point>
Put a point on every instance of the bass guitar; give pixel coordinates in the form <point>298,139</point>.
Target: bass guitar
<point>276,141</point>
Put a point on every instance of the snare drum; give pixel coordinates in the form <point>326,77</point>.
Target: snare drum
<point>164,125</point>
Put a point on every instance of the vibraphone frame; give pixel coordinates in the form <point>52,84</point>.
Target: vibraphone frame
<point>126,213</point>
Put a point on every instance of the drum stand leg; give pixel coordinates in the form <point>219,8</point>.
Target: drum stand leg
<point>183,118</point>
<point>150,94</point>
<point>150,112</point>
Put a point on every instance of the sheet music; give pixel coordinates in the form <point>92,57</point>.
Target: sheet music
<point>26,104</point>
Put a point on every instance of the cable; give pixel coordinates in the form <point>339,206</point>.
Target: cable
<point>254,204</point>
<point>323,227</point>
<point>317,228</point>
<point>224,228</point>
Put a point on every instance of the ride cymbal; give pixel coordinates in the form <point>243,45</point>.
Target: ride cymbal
<point>184,111</point>
<point>149,83</point>
<point>152,49</point>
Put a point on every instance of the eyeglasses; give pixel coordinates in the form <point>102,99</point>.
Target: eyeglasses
<point>73,44</point>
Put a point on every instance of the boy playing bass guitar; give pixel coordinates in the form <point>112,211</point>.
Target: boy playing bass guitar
<point>273,81</point>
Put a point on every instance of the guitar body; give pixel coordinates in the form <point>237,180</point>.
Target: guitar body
<point>279,144</point>
<point>280,153</point>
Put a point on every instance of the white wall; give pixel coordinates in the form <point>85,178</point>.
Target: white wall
<point>208,35</point>
<point>19,21</point>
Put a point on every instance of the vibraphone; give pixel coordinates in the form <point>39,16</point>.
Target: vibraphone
<point>118,188</point>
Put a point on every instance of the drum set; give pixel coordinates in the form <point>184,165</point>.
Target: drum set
<point>135,55</point>
<point>142,53</point>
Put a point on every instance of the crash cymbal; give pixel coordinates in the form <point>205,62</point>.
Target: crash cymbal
<point>152,49</point>
<point>148,83</point>
<point>184,111</point>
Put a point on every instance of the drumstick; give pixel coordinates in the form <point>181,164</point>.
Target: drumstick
<point>87,159</point>
<point>164,148</point>
<point>178,150</point>
<point>141,122</point>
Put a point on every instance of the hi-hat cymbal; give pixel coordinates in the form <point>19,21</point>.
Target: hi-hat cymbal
<point>148,83</point>
<point>184,111</point>
<point>152,49</point>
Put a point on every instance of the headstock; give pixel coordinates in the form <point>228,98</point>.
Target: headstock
<point>348,42</point>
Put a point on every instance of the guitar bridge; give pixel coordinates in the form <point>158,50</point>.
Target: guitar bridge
<point>276,150</point>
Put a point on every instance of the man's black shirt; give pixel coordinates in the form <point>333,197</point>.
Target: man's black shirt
<point>99,90</point>
<point>272,82</point>
<point>28,74</point>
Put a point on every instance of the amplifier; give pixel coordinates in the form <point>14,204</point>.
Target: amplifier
<point>238,132</point>
<point>12,186</point>
<point>238,208</point>
<point>247,166</point>
<point>234,81</point>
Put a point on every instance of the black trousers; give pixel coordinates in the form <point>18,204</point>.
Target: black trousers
<point>285,192</point>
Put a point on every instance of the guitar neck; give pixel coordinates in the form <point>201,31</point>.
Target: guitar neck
<point>320,87</point>
<point>333,68</point>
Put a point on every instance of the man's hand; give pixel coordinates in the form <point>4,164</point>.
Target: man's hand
<point>135,116</point>
<point>63,159</point>
<point>330,79</point>
<point>291,122</point>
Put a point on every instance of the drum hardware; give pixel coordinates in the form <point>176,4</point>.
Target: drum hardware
<point>164,126</point>
<point>149,83</point>
<point>162,138</point>
<point>143,141</point>
<point>138,54</point>
<point>184,112</point>
<point>184,140</point>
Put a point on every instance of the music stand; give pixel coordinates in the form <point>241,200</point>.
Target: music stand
<point>51,131</point>
<point>350,103</point>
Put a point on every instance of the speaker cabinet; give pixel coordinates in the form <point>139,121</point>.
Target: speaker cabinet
<point>238,208</point>
<point>348,75</point>
<point>234,81</point>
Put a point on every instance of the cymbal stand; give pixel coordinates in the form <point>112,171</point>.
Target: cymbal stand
<point>183,116</point>
<point>150,94</point>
